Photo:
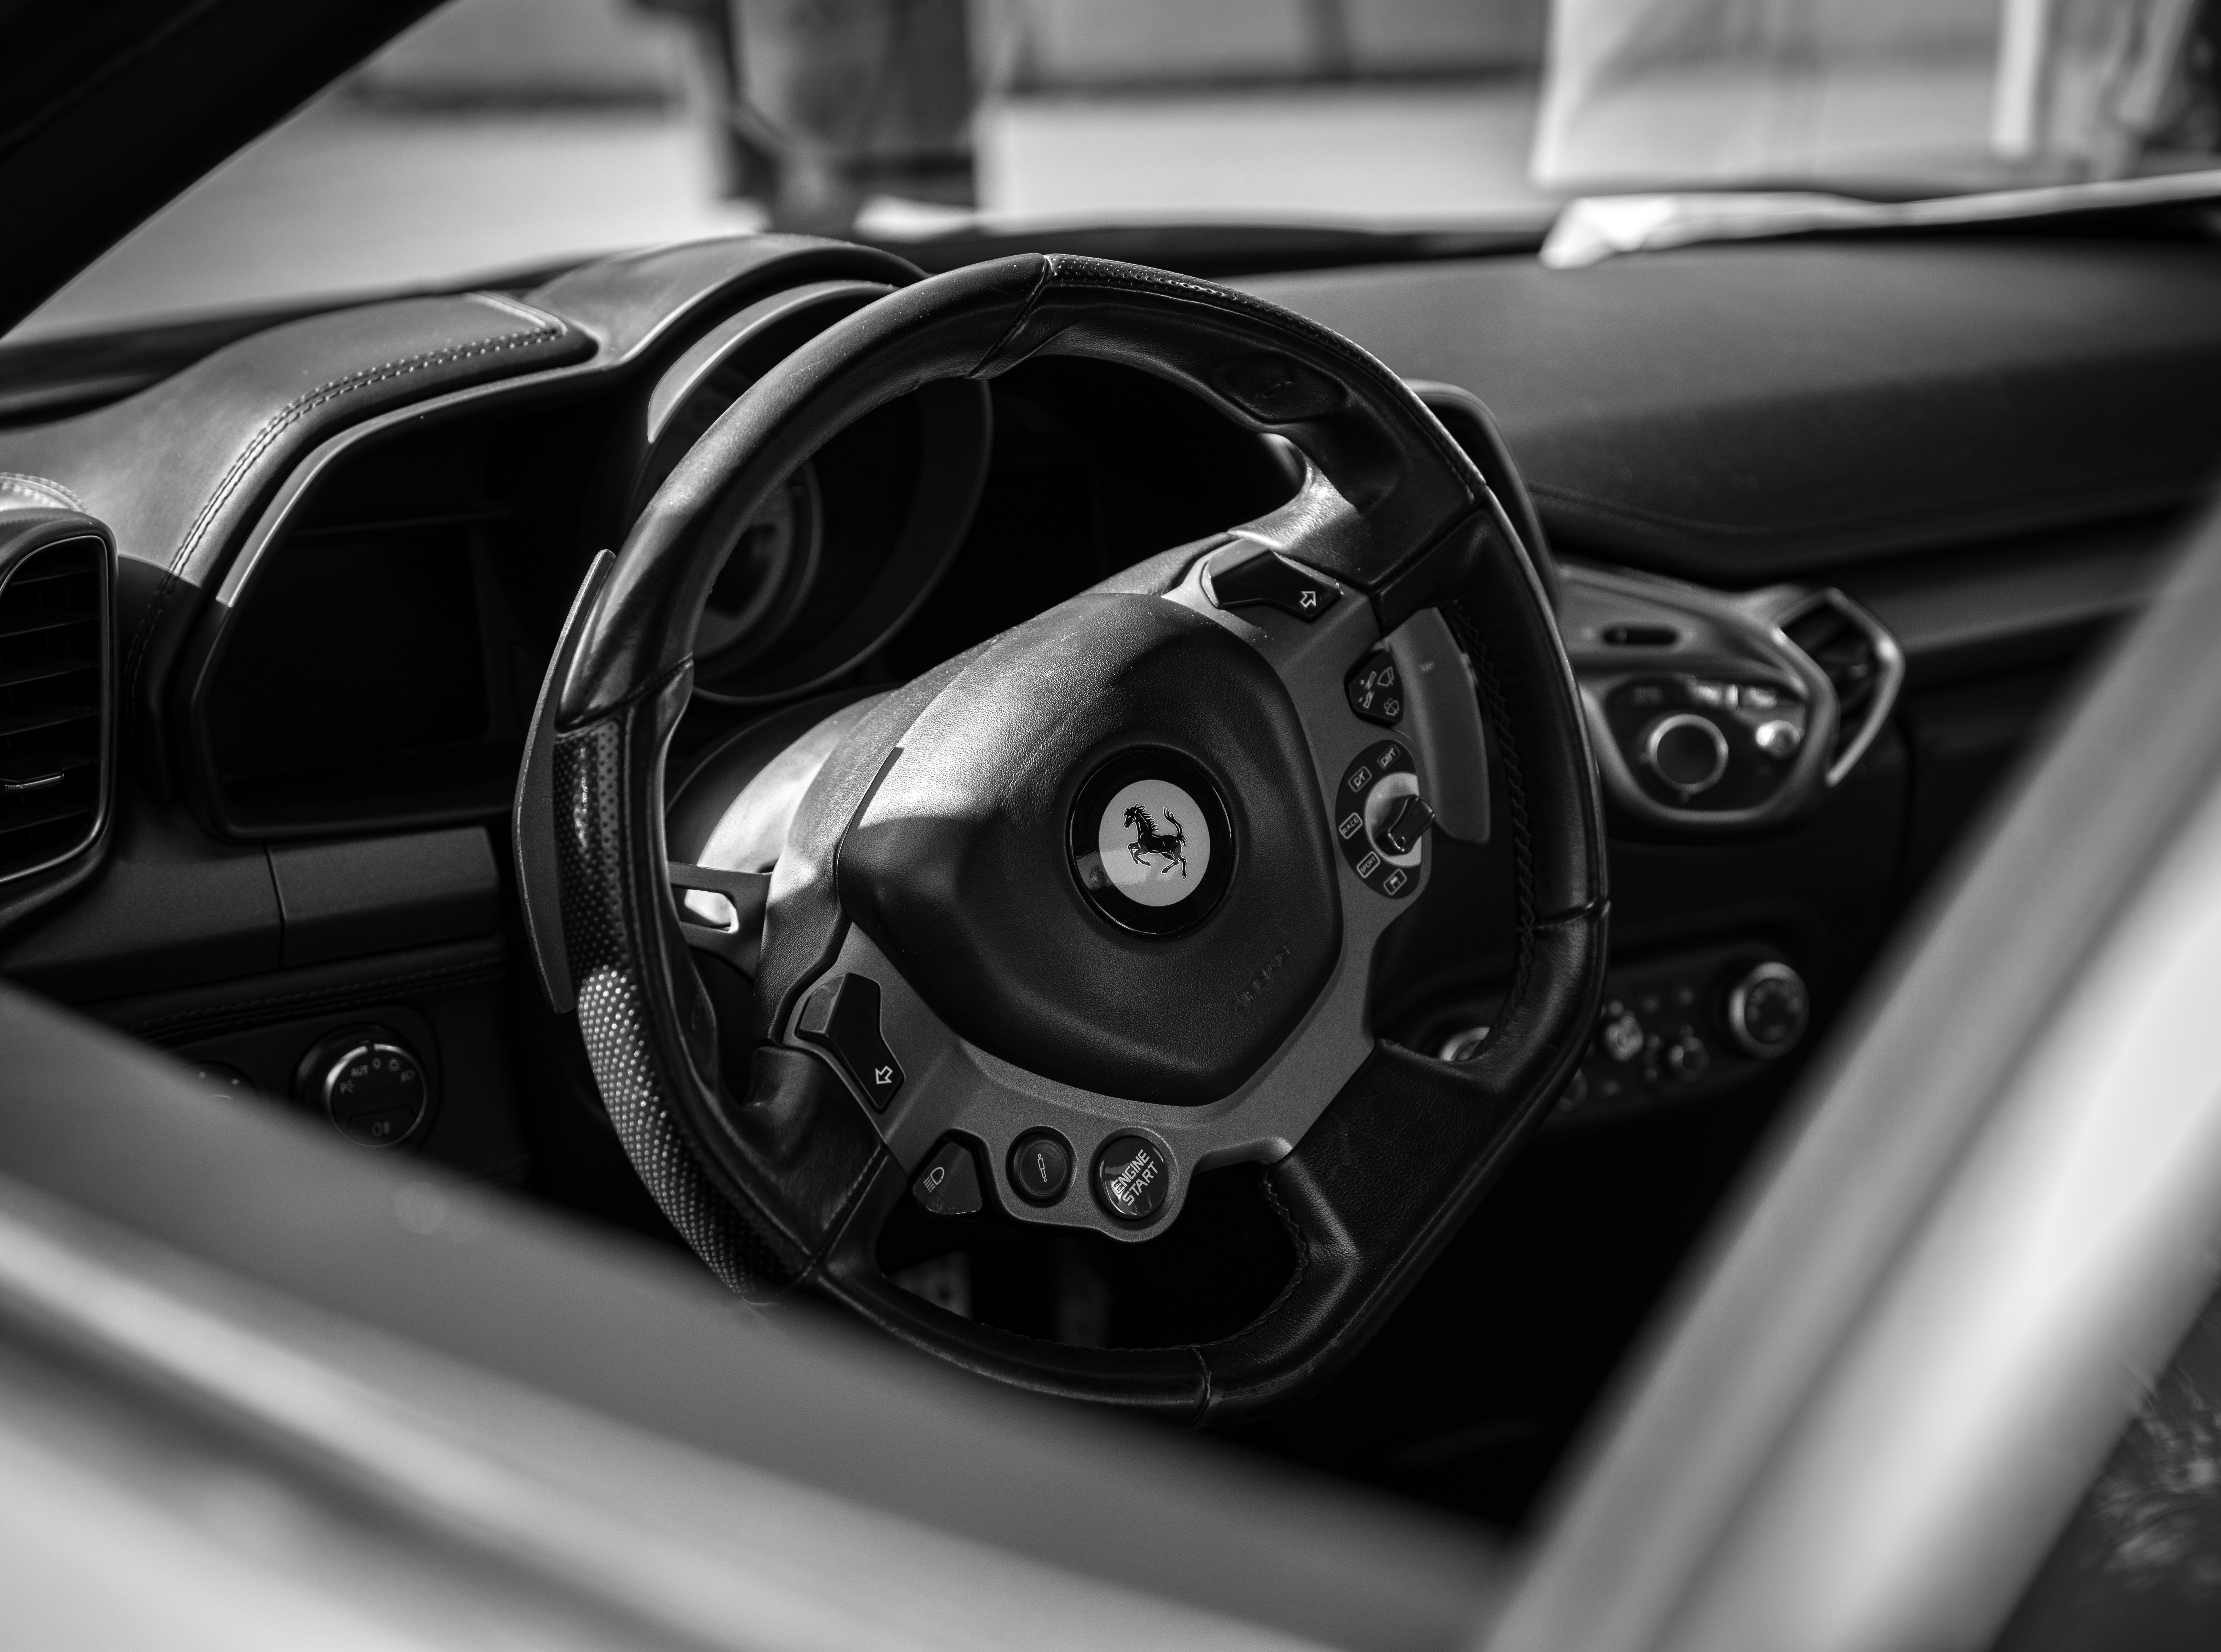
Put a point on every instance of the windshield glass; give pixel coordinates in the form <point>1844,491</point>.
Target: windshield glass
<point>502,135</point>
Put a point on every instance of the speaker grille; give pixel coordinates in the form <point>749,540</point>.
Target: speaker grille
<point>52,712</point>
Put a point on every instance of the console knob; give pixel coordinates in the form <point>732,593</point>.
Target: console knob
<point>369,1083</point>
<point>1619,1034</point>
<point>1780,738</point>
<point>1768,1010</point>
<point>1686,1058</point>
<point>1687,752</point>
<point>1404,825</point>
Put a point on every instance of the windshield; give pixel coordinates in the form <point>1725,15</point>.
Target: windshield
<point>499,135</point>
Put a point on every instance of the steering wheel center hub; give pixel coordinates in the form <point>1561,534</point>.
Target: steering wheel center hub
<point>1092,841</point>
<point>1152,842</point>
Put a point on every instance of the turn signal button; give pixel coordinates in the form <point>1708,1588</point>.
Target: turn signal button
<point>842,1016</point>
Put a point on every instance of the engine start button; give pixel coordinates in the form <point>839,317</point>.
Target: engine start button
<point>1132,1178</point>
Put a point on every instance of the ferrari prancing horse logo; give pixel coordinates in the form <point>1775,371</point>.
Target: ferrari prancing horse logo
<point>1148,840</point>
<point>1155,840</point>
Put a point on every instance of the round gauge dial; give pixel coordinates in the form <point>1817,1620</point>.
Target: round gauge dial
<point>770,569</point>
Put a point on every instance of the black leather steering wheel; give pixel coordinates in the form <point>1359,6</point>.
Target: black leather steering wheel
<point>937,890</point>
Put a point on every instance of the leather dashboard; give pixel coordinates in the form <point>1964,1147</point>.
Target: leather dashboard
<point>1742,414</point>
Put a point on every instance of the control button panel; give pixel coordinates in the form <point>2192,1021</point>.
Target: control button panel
<point>841,1016</point>
<point>1041,1168</point>
<point>1701,742</point>
<point>1377,808</point>
<point>1132,1178</point>
<point>1670,1029</point>
<point>948,1185</point>
<point>1270,580</point>
<point>369,1083</point>
<point>1376,689</point>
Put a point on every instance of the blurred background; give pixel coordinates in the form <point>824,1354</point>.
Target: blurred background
<point>500,135</point>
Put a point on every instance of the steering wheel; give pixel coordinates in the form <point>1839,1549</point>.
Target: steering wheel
<point>1091,908</point>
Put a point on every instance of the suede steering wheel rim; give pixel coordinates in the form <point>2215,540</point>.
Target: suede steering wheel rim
<point>781,1176</point>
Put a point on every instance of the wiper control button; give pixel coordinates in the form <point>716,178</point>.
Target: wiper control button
<point>1041,1168</point>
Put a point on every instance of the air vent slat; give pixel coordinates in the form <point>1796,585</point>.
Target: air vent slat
<point>76,569</point>
<point>19,767</point>
<point>35,718</point>
<point>37,810</point>
<point>52,703</point>
<point>36,620</point>
<point>24,673</point>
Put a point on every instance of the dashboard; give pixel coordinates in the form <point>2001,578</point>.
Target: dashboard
<point>345,546</point>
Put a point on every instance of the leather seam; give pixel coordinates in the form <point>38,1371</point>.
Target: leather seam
<point>547,329</point>
<point>815,1262</point>
<point>41,489</point>
<point>1206,1390</point>
<point>331,390</point>
<point>1025,313</point>
<point>1587,910</point>
<point>1300,1239</point>
<point>628,703</point>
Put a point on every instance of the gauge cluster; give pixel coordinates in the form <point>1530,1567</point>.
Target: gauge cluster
<point>372,659</point>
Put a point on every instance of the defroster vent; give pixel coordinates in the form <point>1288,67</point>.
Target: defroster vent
<point>53,701</point>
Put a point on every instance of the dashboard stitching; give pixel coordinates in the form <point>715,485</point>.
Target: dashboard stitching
<point>40,489</point>
<point>331,391</point>
<point>292,413</point>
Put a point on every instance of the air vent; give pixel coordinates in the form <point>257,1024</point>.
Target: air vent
<point>53,735</point>
<point>1640,636</point>
<point>1862,661</point>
